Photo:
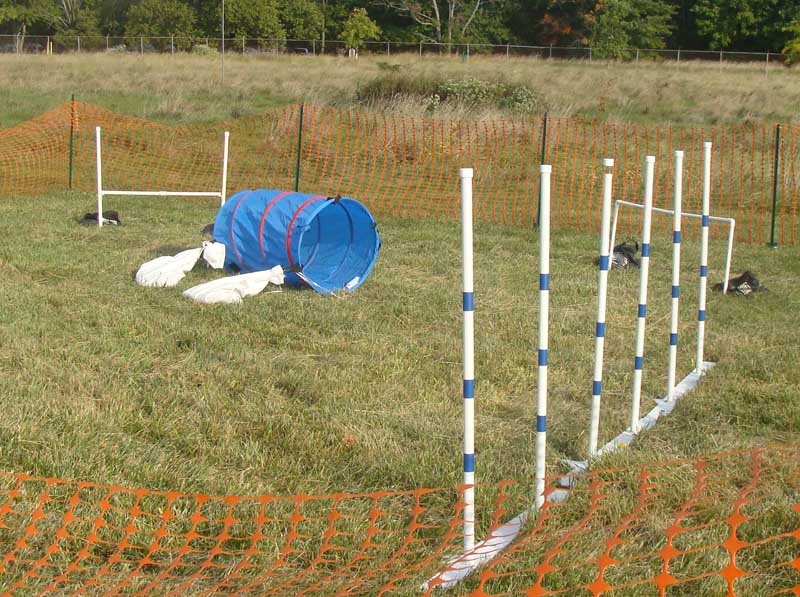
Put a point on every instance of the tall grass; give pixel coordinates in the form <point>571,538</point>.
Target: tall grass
<point>187,88</point>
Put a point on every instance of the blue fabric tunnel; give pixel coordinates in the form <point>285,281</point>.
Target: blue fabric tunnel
<point>327,243</point>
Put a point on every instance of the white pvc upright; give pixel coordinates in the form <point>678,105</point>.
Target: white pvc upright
<point>602,293</point>
<point>644,273</point>
<point>99,177</point>
<point>701,309</point>
<point>224,193</point>
<point>544,307</point>
<point>469,359</point>
<point>676,274</point>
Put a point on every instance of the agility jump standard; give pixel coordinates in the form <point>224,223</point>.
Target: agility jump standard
<point>101,192</point>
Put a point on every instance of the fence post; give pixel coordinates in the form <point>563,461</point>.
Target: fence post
<point>73,121</point>
<point>388,50</point>
<point>420,49</point>
<point>766,64</point>
<point>299,149</point>
<point>551,52</point>
<point>106,43</point>
<point>79,42</point>
<point>47,47</point>
<point>172,44</point>
<point>637,59</point>
<point>543,155</point>
<point>141,44</point>
<point>775,169</point>
<point>679,56</point>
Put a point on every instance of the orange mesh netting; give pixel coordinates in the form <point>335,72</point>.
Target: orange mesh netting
<point>715,525</point>
<point>408,167</point>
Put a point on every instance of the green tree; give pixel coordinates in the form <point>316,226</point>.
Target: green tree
<point>792,48</point>
<point>302,19</point>
<point>20,16</point>
<point>161,18</point>
<point>359,28</point>
<point>746,25</point>
<point>442,21</point>
<point>254,19</point>
<point>624,24</point>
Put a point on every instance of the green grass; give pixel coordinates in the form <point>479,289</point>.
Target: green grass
<point>294,392</point>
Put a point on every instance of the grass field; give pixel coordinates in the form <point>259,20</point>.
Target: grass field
<point>294,392</point>
<point>186,88</point>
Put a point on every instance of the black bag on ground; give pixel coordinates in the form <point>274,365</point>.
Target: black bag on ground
<point>744,285</point>
<point>624,255</point>
<point>110,217</point>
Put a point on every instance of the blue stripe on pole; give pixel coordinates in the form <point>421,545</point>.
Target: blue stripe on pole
<point>705,221</point>
<point>541,423</point>
<point>469,463</point>
<point>676,236</point>
<point>597,388</point>
<point>604,263</point>
<point>642,310</point>
<point>676,292</point>
<point>469,301</point>
<point>645,249</point>
<point>701,315</point>
<point>542,357</point>
<point>544,281</point>
<point>703,271</point>
<point>673,339</point>
<point>638,363</point>
<point>600,330</point>
<point>469,388</point>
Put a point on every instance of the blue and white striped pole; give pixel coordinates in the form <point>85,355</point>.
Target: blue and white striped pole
<point>602,293</point>
<point>701,310</point>
<point>676,274</point>
<point>469,360</point>
<point>544,307</point>
<point>644,273</point>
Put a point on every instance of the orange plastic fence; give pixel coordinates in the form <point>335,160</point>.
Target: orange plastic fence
<point>725,524</point>
<point>408,167</point>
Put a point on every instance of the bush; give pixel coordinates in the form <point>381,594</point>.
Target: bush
<point>468,93</point>
<point>204,50</point>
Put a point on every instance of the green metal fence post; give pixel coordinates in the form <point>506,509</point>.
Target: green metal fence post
<point>542,156</point>
<point>775,169</point>
<point>299,150</point>
<point>73,117</point>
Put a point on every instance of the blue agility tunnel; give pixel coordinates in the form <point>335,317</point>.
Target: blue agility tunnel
<point>327,243</point>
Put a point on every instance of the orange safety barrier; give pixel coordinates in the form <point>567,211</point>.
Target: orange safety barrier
<point>725,524</point>
<point>408,167</point>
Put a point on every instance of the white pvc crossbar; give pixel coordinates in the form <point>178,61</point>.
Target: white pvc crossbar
<point>730,221</point>
<point>101,192</point>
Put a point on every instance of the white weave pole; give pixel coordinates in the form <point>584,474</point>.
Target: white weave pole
<point>224,192</point>
<point>602,294</point>
<point>676,274</point>
<point>701,309</point>
<point>99,177</point>
<point>644,273</point>
<point>544,307</point>
<point>469,359</point>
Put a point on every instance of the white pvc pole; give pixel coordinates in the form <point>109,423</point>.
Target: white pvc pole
<point>544,306</point>
<point>469,359</point>
<point>728,257</point>
<point>602,292</point>
<point>701,309</point>
<point>99,177</point>
<point>614,225</point>
<point>644,272</point>
<point>224,169</point>
<point>676,274</point>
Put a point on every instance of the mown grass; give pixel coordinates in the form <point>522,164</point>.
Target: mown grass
<point>297,393</point>
<point>185,89</point>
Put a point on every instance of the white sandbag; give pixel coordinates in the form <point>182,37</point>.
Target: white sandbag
<point>233,289</point>
<point>166,272</point>
<point>214,254</point>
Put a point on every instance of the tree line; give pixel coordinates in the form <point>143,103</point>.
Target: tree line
<point>610,27</point>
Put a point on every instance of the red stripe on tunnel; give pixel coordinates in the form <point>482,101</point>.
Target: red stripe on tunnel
<point>264,219</point>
